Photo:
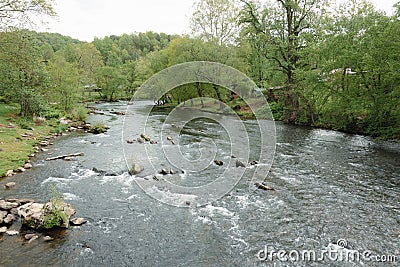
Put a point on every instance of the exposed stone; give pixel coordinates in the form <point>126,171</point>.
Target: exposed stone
<point>44,149</point>
<point>33,238</point>
<point>9,219</point>
<point>254,162</point>
<point>136,169</point>
<point>34,214</point>
<point>3,229</point>
<point>29,236</point>
<point>130,141</point>
<point>28,166</point>
<point>48,238</point>
<point>12,232</point>
<point>4,205</point>
<point>164,172</point>
<point>44,143</point>
<point>263,187</point>
<point>240,164</point>
<point>145,137</point>
<point>68,158</point>
<point>3,214</point>
<point>20,201</point>
<point>78,221</point>
<point>169,138</point>
<point>140,140</point>
<point>14,211</point>
<point>153,142</point>
<point>20,169</point>
<point>171,171</point>
<point>32,155</point>
<point>218,162</point>
<point>9,185</point>
<point>9,173</point>
<point>63,121</point>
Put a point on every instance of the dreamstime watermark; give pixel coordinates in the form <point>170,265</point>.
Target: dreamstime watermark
<point>336,253</point>
<point>218,77</point>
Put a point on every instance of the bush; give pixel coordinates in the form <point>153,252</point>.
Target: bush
<point>97,128</point>
<point>56,215</point>
<point>79,113</point>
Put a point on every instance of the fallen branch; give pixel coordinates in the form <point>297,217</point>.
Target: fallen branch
<point>66,156</point>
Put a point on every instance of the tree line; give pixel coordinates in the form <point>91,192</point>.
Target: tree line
<point>318,64</point>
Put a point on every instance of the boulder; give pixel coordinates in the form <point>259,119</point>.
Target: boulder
<point>136,169</point>
<point>9,219</point>
<point>20,169</point>
<point>3,229</point>
<point>3,214</point>
<point>140,140</point>
<point>9,185</point>
<point>47,238</point>
<point>130,141</point>
<point>172,171</point>
<point>12,232</point>
<point>218,162</point>
<point>240,164</point>
<point>164,172</point>
<point>153,142</point>
<point>145,137</point>
<point>254,162</point>
<point>169,138</point>
<point>44,143</point>
<point>9,173</point>
<point>28,166</point>
<point>38,216</point>
<point>5,205</point>
<point>264,187</point>
<point>78,221</point>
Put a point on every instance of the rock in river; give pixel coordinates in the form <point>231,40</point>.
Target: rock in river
<point>240,164</point>
<point>9,185</point>
<point>136,169</point>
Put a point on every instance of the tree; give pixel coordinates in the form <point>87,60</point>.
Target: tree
<point>285,26</point>
<point>17,13</point>
<point>215,21</point>
<point>65,81</point>
<point>22,72</point>
<point>110,81</point>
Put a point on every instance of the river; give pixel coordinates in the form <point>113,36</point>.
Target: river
<point>329,186</point>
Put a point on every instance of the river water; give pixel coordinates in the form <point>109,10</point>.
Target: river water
<point>329,186</point>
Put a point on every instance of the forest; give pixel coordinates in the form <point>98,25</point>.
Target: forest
<point>318,64</point>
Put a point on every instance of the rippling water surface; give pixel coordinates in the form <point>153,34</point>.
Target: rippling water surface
<point>329,186</point>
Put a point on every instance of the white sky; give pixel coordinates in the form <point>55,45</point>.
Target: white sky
<point>86,19</point>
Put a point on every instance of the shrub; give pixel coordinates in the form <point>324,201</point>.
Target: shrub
<point>56,216</point>
<point>97,128</point>
<point>79,113</point>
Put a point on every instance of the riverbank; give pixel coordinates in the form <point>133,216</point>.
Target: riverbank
<point>21,138</point>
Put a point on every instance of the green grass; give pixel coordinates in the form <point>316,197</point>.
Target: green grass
<point>14,149</point>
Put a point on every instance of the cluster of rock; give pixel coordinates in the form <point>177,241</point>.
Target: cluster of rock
<point>142,140</point>
<point>238,163</point>
<point>34,215</point>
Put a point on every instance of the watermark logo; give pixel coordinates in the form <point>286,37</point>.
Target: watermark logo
<point>333,253</point>
<point>247,142</point>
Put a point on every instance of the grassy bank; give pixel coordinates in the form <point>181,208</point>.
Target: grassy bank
<point>19,135</point>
